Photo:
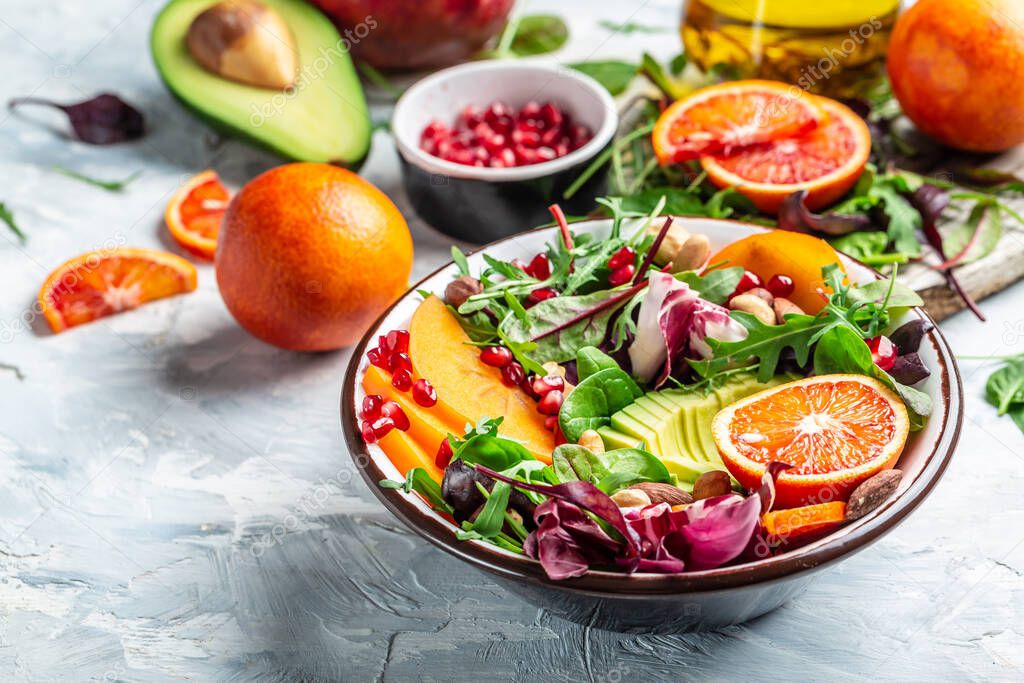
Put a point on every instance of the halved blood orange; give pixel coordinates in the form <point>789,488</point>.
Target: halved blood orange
<point>730,116</point>
<point>195,212</point>
<point>826,161</point>
<point>101,283</point>
<point>835,431</point>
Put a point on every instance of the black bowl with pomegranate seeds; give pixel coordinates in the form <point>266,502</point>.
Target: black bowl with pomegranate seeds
<point>486,147</point>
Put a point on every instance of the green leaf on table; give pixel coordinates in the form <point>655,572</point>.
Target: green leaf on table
<point>1005,386</point>
<point>594,400</point>
<point>977,237</point>
<point>614,75</point>
<point>7,216</point>
<point>108,185</point>
<point>628,27</point>
<point>533,34</point>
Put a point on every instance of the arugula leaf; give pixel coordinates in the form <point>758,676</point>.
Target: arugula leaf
<point>594,400</point>
<point>614,75</point>
<point>108,185</point>
<point>7,216</point>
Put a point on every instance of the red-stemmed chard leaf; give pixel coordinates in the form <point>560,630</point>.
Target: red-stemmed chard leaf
<point>796,217</point>
<point>102,120</point>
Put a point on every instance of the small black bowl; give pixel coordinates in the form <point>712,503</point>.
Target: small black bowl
<point>477,204</point>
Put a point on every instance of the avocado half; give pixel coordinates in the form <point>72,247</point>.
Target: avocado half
<point>322,118</point>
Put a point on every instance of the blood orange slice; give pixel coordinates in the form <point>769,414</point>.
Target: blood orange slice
<point>101,283</point>
<point>195,212</point>
<point>835,431</point>
<point>731,116</point>
<point>826,161</point>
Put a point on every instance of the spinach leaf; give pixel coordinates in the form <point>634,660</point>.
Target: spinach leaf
<point>481,445</point>
<point>590,360</point>
<point>1005,386</point>
<point>614,75</point>
<point>609,471</point>
<point>594,400</point>
<point>560,346</point>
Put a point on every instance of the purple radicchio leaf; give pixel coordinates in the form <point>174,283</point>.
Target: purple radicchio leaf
<point>647,353</point>
<point>795,216</point>
<point>567,542</point>
<point>662,546</point>
<point>718,529</point>
<point>686,322</point>
<point>931,201</point>
<point>582,494</point>
<point>909,369</point>
<point>767,489</point>
<point>102,120</point>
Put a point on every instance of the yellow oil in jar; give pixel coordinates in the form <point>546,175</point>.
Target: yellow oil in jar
<point>833,47</point>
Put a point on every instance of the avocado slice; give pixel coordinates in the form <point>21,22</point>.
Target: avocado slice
<point>676,424</point>
<point>322,118</point>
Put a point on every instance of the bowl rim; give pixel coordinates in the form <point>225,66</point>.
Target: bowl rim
<point>828,550</point>
<point>411,152</point>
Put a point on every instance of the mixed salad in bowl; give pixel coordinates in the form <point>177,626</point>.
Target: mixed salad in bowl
<point>643,402</point>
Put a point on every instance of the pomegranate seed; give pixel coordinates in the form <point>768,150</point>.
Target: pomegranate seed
<point>381,426</point>
<point>398,341</point>
<point>496,356</point>
<point>434,130</point>
<point>551,422</point>
<point>622,275</point>
<point>366,429</point>
<point>550,403</point>
<point>399,361</point>
<point>545,385</point>
<point>394,411</point>
<point>530,110</point>
<point>527,138</point>
<point>423,393</point>
<point>883,352</point>
<point>622,257</point>
<point>748,281</point>
<point>444,454</point>
<point>546,153</point>
<point>470,116</point>
<point>540,267</point>
<point>780,285</point>
<point>402,379</point>
<point>538,295</point>
<point>559,436</point>
<point>513,374</point>
<point>371,406</point>
<point>377,358</point>
<point>551,115</point>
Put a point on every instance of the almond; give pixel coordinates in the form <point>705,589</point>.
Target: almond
<point>711,484</point>
<point>664,493</point>
<point>872,493</point>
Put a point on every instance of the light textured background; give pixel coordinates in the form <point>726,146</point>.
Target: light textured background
<point>176,502</point>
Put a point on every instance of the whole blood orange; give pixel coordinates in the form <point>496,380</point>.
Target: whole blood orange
<point>309,255</point>
<point>957,69</point>
<point>826,161</point>
<point>731,116</point>
<point>834,430</point>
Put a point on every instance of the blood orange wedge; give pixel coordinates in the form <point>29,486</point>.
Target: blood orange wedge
<point>835,431</point>
<point>826,161</point>
<point>101,283</point>
<point>731,116</point>
<point>195,212</point>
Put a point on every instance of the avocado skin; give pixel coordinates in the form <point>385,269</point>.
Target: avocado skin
<point>345,118</point>
<point>675,424</point>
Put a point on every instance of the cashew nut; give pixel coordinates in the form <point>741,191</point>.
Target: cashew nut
<point>692,255</point>
<point>784,307</point>
<point>674,240</point>
<point>592,441</point>
<point>762,293</point>
<point>755,305</point>
<point>630,498</point>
